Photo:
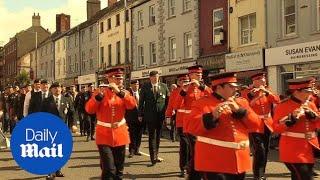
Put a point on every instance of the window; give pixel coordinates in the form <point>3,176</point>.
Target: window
<point>76,65</point>
<point>83,56</point>
<point>46,68</point>
<point>118,53</point>
<point>171,8</point>
<point>69,42</point>
<point>101,27</point>
<point>46,50</point>
<point>140,19</point>
<point>152,16</point>
<point>153,54</point>
<point>102,55</point>
<point>118,20</point>
<point>247,26</point>
<point>69,64</point>
<point>91,33</point>
<point>109,23</point>
<point>64,66</point>
<point>187,45</point>
<point>75,40</point>
<point>186,5</point>
<point>91,58</point>
<point>52,65</point>
<point>140,55</point>
<point>172,49</point>
<point>289,17</point>
<point>52,47</point>
<point>58,46</point>
<point>217,25</point>
<point>127,15</point>
<point>127,49</point>
<point>109,54</point>
<point>64,44</point>
<point>83,36</point>
<point>84,65</point>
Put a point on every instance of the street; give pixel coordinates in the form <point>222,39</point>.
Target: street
<point>84,164</point>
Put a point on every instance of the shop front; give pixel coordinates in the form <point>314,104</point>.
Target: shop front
<point>168,74</point>
<point>86,79</point>
<point>212,65</point>
<point>245,64</point>
<point>290,62</point>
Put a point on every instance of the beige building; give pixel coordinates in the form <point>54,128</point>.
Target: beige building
<point>72,56</point>
<point>45,60</point>
<point>165,37</point>
<point>114,37</point>
<point>247,34</point>
<point>60,58</point>
<point>23,63</point>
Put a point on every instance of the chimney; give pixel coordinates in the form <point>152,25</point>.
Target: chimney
<point>62,22</point>
<point>36,20</point>
<point>112,2</point>
<point>93,6</point>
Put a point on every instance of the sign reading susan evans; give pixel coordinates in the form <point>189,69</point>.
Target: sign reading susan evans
<point>244,61</point>
<point>296,53</point>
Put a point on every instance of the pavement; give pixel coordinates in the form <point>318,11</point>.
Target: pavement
<point>84,164</point>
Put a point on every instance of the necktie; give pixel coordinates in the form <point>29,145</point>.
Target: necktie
<point>43,96</point>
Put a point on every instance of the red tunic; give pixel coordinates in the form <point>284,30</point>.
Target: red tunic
<point>292,149</point>
<point>214,158</point>
<point>111,110</point>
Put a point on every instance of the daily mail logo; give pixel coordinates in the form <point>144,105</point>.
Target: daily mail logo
<point>41,143</point>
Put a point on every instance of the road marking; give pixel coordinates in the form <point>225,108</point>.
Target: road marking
<point>148,155</point>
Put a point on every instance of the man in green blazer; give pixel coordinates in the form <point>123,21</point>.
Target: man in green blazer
<point>152,105</point>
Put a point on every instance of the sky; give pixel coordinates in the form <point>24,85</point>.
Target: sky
<point>16,15</point>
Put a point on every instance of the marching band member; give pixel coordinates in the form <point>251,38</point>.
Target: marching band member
<point>297,119</point>
<point>112,134</point>
<point>221,122</point>
<point>262,100</point>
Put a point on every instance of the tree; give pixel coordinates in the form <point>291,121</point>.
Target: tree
<point>23,77</point>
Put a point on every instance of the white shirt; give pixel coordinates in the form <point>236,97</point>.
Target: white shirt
<point>136,95</point>
<point>26,103</point>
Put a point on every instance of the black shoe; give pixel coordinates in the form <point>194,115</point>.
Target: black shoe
<point>50,177</point>
<point>92,138</point>
<point>315,174</point>
<point>153,163</point>
<point>59,174</point>
<point>130,155</point>
<point>138,153</point>
<point>88,139</point>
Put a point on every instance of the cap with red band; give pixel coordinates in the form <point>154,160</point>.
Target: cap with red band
<point>229,77</point>
<point>258,75</point>
<point>301,83</point>
<point>115,72</point>
<point>195,69</point>
<point>183,77</point>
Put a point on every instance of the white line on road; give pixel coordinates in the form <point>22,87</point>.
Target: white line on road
<point>145,154</point>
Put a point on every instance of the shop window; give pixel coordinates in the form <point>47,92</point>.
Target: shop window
<point>289,16</point>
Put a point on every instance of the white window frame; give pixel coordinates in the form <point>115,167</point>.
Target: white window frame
<point>249,29</point>
<point>140,19</point>
<point>172,49</point>
<point>185,8</point>
<point>141,61</point>
<point>188,45</point>
<point>153,53</point>
<point>152,15</point>
<point>217,27</point>
<point>171,8</point>
<point>284,27</point>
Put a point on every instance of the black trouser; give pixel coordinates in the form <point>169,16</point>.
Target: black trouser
<point>260,144</point>
<point>222,176</point>
<point>90,124</point>
<point>193,174</point>
<point>12,125</point>
<point>112,161</point>
<point>70,120</point>
<point>135,131</point>
<point>300,171</point>
<point>184,152</point>
<point>6,121</point>
<point>81,120</point>
<point>154,130</point>
<point>173,129</point>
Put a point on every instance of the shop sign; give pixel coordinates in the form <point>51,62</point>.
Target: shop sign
<point>212,62</point>
<point>244,61</point>
<point>298,53</point>
<point>90,78</point>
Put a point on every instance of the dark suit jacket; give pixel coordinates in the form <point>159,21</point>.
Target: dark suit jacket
<point>131,115</point>
<point>49,106</point>
<point>152,107</point>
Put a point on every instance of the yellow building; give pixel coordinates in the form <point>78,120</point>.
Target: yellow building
<point>247,34</point>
